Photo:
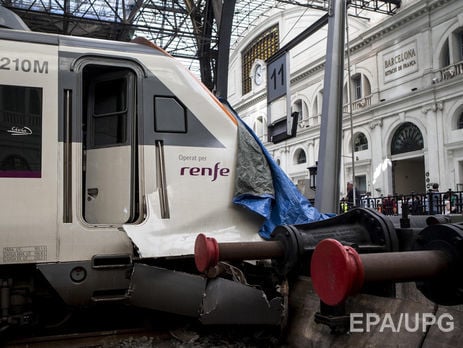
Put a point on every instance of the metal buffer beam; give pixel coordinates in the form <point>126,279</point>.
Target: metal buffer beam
<point>291,246</point>
<point>435,263</point>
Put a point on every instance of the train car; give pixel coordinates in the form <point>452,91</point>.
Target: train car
<point>110,153</point>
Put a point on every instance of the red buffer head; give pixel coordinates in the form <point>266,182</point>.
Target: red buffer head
<point>206,252</point>
<point>336,271</point>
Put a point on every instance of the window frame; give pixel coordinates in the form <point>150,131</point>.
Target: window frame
<point>22,131</point>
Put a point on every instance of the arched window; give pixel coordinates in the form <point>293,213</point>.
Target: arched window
<point>300,107</point>
<point>452,49</point>
<point>360,88</point>
<point>406,138</point>
<point>360,142</point>
<point>460,121</point>
<point>260,127</point>
<point>444,59</point>
<point>300,157</point>
<point>357,92</point>
<point>317,105</point>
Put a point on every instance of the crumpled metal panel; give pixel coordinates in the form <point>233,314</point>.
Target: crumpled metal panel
<point>215,301</point>
<point>166,290</point>
<point>157,237</point>
<point>228,302</point>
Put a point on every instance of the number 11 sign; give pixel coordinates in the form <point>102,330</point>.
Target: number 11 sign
<point>277,95</point>
<point>277,77</point>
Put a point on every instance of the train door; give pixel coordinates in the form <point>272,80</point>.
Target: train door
<point>109,145</point>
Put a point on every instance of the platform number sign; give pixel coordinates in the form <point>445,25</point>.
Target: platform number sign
<point>277,78</point>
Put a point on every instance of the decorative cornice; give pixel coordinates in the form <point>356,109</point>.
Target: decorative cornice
<point>439,106</point>
<point>374,36</point>
<point>432,107</point>
<point>368,39</point>
<point>307,73</point>
<point>378,122</point>
<point>251,102</point>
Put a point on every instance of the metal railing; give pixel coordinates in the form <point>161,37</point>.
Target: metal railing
<point>358,104</point>
<point>429,203</point>
<point>449,72</point>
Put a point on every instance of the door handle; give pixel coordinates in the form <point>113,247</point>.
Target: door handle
<point>92,193</point>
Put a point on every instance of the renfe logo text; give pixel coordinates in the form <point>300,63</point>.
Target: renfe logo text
<point>213,172</point>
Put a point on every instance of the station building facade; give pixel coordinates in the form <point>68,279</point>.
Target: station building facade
<point>402,96</point>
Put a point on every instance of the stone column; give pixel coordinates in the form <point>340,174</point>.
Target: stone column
<point>311,152</point>
<point>376,149</point>
<point>432,153</point>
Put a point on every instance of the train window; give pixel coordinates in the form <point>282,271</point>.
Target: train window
<point>20,131</point>
<point>169,115</point>
<point>110,113</point>
<point>110,97</point>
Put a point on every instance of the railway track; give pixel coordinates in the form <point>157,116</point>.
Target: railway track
<point>122,328</point>
<point>144,338</point>
<point>98,339</point>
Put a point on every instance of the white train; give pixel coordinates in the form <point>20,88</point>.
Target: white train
<point>113,158</point>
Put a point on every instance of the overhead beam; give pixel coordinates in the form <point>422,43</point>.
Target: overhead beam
<point>317,25</point>
<point>388,7</point>
<point>225,29</point>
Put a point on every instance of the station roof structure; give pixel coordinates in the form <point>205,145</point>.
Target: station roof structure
<point>189,30</point>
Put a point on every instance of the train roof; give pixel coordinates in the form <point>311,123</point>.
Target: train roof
<point>10,20</point>
<point>12,29</point>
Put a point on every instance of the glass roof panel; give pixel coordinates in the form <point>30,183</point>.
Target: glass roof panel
<point>184,28</point>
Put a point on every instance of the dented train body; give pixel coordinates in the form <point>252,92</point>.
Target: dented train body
<point>112,157</point>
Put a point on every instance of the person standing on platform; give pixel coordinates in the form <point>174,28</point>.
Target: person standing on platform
<point>434,199</point>
<point>352,195</point>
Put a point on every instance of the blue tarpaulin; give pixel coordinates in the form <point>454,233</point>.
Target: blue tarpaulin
<point>264,188</point>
